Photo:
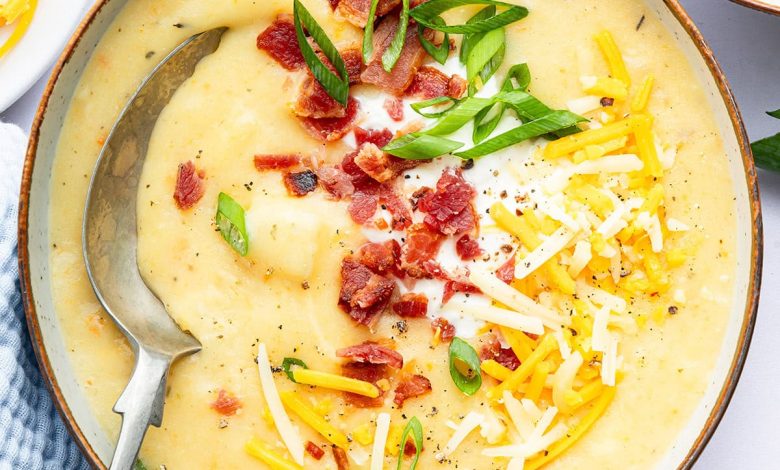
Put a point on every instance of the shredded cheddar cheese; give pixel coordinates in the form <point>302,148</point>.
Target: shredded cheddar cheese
<point>335,382</point>
<point>309,416</point>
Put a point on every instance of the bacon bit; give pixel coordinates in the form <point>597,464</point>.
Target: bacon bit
<point>457,86</point>
<point>332,129</point>
<point>334,4</point>
<point>491,349</point>
<point>189,185</point>
<point>276,162</point>
<point>300,183</point>
<point>421,245</point>
<point>356,11</point>
<point>447,329</point>
<point>377,257</point>
<point>410,448</point>
<point>413,126</point>
<point>363,206</point>
<point>314,450</point>
<point>411,387</point>
<point>363,294</point>
<point>340,455</point>
<point>507,358</point>
<point>314,101</point>
<point>281,43</point>
<point>380,166</point>
<point>335,182</point>
<point>453,287</point>
<point>430,82</point>
<point>353,60</point>
<point>226,403</point>
<point>468,248</point>
<point>380,138</point>
<point>395,108</point>
<point>449,209</point>
<point>411,305</point>
<point>372,353</point>
<point>409,61</point>
<point>369,373</point>
<point>507,270</point>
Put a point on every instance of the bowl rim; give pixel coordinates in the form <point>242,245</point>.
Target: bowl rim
<point>760,6</point>
<point>751,305</point>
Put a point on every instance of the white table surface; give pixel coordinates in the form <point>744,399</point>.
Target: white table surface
<point>747,44</point>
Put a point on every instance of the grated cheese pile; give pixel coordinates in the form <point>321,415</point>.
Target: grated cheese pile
<point>11,10</point>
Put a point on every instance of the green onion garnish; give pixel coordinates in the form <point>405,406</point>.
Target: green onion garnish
<point>420,146</point>
<point>459,115</point>
<point>231,224</point>
<point>288,363</point>
<point>426,15</point>
<point>420,105</point>
<point>766,152</point>
<point>337,86</point>
<point>368,33</point>
<point>552,122</point>
<point>469,40</point>
<point>391,55</point>
<point>485,58</point>
<point>440,53</point>
<point>414,427</point>
<point>464,367</point>
<point>482,128</point>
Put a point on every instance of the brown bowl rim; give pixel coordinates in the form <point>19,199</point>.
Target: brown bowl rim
<point>751,307</point>
<point>760,6</point>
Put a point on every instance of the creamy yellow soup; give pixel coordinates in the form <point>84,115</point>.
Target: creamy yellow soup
<point>284,293</point>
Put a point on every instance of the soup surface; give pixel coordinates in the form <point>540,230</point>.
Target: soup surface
<point>619,251</point>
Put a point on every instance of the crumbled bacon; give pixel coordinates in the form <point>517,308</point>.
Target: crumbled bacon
<point>453,287</point>
<point>226,404</point>
<point>281,43</point>
<point>336,182</point>
<point>362,207</point>
<point>467,248</point>
<point>449,209</point>
<point>430,82</point>
<point>276,162</point>
<point>398,208</point>
<point>372,353</point>
<point>421,245</point>
<point>507,358</point>
<point>411,305</point>
<point>410,387</point>
<point>363,294</point>
<point>378,137</point>
<point>368,373</point>
<point>378,257</point>
<point>380,166</point>
<point>314,101</point>
<point>300,183</point>
<point>457,86</point>
<point>340,456</point>
<point>507,270</point>
<point>410,448</point>
<point>189,185</point>
<point>333,4</point>
<point>332,129</point>
<point>409,61</point>
<point>356,11</point>
<point>394,108</point>
<point>447,329</point>
<point>314,450</point>
<point>491,349</point>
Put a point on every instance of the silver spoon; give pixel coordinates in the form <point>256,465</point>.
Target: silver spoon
<point>110,243</point>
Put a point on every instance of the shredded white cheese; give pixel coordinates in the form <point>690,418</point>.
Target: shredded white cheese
<point>500,316</point>
<point>601,297</point>
<point>469,423</point>
<point>625,163</point>
<point>584,105</point>
<point>289,436</point>
<point>520,418</point>
<point>609,362</point>
<point>544,252</point>
<point>675,225</point>
<point>580,258</point>
<point>600,337</point>
<point>564,379</point>
<point>380,439</point>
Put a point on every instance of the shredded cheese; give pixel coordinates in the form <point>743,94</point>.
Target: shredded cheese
<point>500,316</point>
<point>380,439</point>
<point>335,382</point>
<point>544,252</point>
<point>564,380</point>
<point>289,436</point>
<point>260,450</point>
<point>307,414</point>
<point>469,423</point>
<point>625,163</point>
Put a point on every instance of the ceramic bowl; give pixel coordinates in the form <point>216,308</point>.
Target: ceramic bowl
<point>36,271</point>
<point>769,6</point>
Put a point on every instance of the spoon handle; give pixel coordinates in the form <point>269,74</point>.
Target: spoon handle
<point>140,405</point>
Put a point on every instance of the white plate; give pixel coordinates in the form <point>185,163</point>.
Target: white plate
<point>52,25</point>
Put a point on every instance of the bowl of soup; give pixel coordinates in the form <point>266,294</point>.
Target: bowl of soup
<point>769,6</point>
<point>429,234</point>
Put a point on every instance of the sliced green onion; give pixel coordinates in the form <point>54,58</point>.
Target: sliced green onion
<point>414,427</point>
<point>774,114</point>
<point>337,86</point>
<point>231,224</point>
<point>420,105</point>
<point>464,367</point>
<point>469,40</point>
<point>391,55</point>
<point>552,122</point>
<point>485,57</point>
<point>420,146</point>
<point>439,53</point>
<point>459,115</point>
<point>288,363</point>
<point>482,128</point>
<point>426,14</point>
<point>368,33</point>
<point>521,74</point>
